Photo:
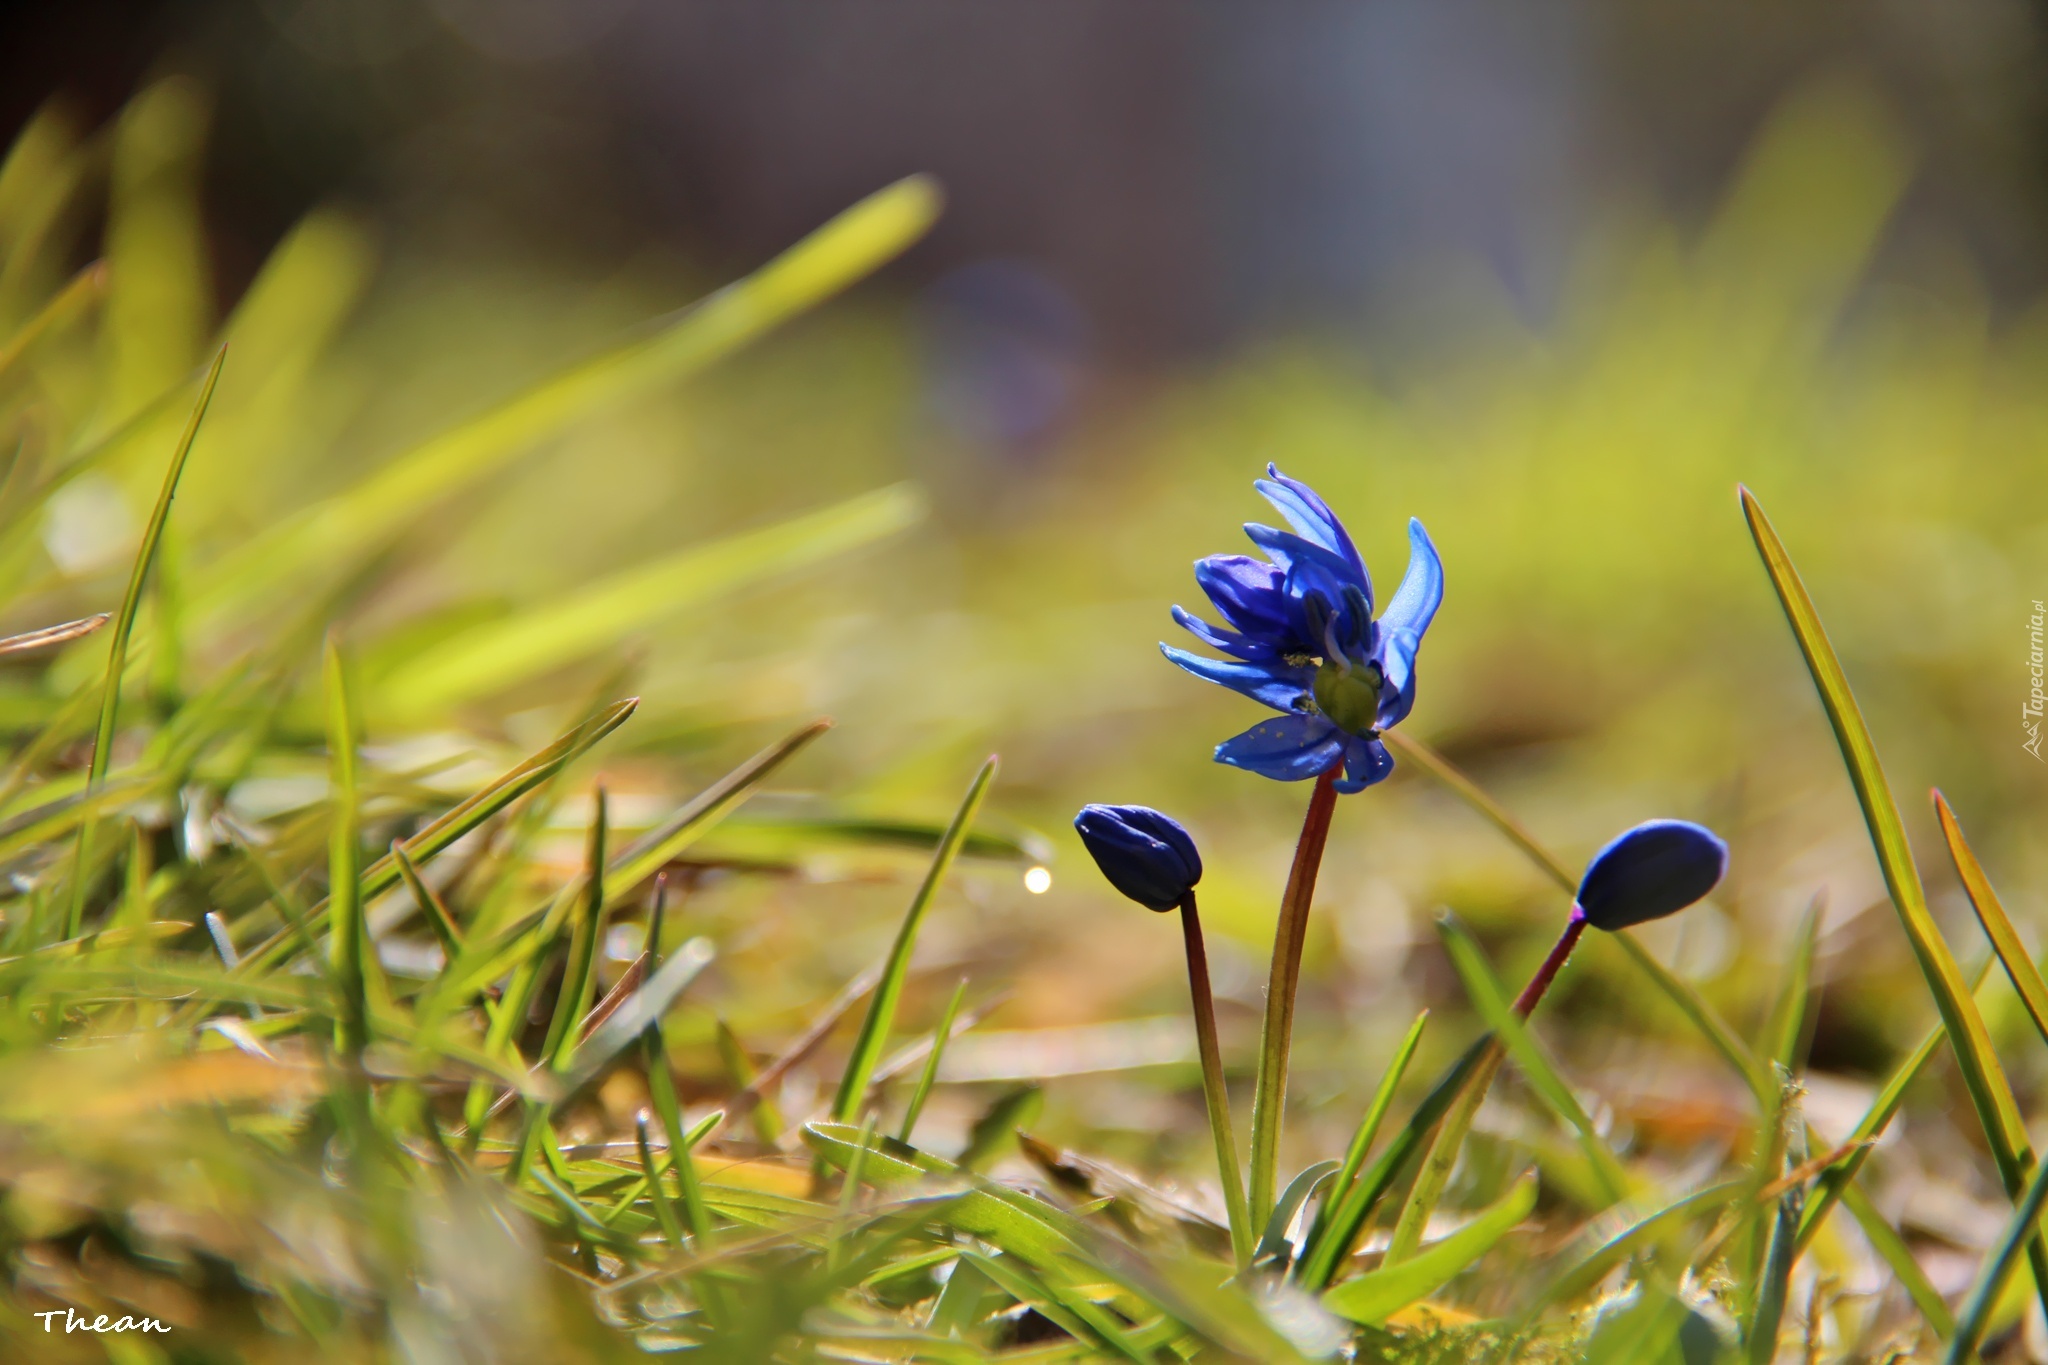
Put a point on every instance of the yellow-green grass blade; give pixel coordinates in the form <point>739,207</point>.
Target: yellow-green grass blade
<point>1635,1238</point>
<point>1786,1027</point>
<point>117,645</point>
<point>1362,1140</point>
<point>1530,1058</point>
<point>1885,1240</point>
<point>1375,1296</point>
<point>1357,1204</point>
<point>643,1008</point>
<point>1690,1003</point>
<point>579,979</point>
<point>438,833</point>
<point>349,944</point>
<point>340,529</point>
<point>1871,1126</point>
<point>1998,926</point>
<point>84,289</point>
<point>881,1016</point>
<point>930,1075</point>
<point>432,908</point>
<point>1990,1090</point>
<point>500,654</point>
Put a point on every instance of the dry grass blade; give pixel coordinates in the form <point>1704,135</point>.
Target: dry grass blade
<point>53,635</point>
<point>1998,926</point>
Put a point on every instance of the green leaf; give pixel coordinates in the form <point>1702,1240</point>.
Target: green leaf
<point>1357,1203</point>
<point>344,527</point>
<point>643,1007</point>
<point>117,644</point>
<point>572,1001</point>
<point>940,1037</point>
<point>1998,926</point>
<point>1362,1139</point>
<point>1491,999</point>
<point>1273,1241</point>
<point>1885,1239</point>
<point>1990,1090</point>
<point>349,944</point>
<point>881,1015</point>
<point>1375,1296</point>
<point>492,657</point>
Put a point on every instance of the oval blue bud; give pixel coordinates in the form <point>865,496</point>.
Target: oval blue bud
<point>1145,855</point>
<point>1656,869</point>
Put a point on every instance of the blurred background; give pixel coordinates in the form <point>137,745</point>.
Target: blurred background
<point>1553,278</point>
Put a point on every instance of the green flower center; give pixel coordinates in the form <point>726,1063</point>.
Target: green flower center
<point>1349,694</point>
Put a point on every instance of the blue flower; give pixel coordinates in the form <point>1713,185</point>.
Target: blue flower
<point>1145,855</point>
<point>1653,870</point>
<point>1302,640</point>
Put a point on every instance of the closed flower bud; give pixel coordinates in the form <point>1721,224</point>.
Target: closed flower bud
<point>1145,855</point>
<point>1656,869</point>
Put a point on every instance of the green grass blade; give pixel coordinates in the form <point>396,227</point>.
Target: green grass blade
<point>1777,1278</point>
<point>445,829</point>
<point>1872,1125</point>
<point>1368,1131</point>
<point>2020,1231</point>
<point>432,908</point>
<point>1273,1240</point>
<point>579,979</point>
<point>1357,1204</point>
<point>657,1193</point>
<point>1885,1239</point>
<point>1990,1090</point>
<point>1530,1057</point>
<point>881,1015</point>
<point>348,944</point>
<point>490,658</point>
<point>1690,1003</point>
<point>1375,1296</point>
<point>84,289</point>
<point>644,1007</point>
<point>409,487</point>
<point>930,1075</point>
<point>117,645</point>
<point>1632,1240</point>
<point>1998,926</point>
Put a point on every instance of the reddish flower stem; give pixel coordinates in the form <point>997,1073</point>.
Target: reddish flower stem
<point>1214,1092</point>
<point>1277,1038</point>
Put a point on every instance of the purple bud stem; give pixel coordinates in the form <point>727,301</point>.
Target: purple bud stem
<point>1559,951</point>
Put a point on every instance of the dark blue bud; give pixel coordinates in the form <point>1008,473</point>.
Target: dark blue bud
<point>1145,855</point>
<point>1656,869</point>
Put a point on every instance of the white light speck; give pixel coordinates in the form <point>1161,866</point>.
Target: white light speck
<point>1038,880</point>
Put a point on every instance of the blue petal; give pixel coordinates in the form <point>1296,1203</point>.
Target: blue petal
<point>1248,592</point>
<point>1422,587</point>
<point>1290,551</point>
<point>1240,646</point>
<point>1289,749</point>
<point>1279,686</point>
<point>1396,656</point>
<point>1366,761</point>
<point>1653,870</point>
<point>1307,513</point>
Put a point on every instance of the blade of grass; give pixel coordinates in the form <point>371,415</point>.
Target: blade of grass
<point>444,830</point>
<point>348,945</point>
<point>1690,1003</point>
<point>54,635</point>
<point>1990,1090</point>
<point>2020,1230</point>
<point>1873,1123</point>
<point>844,250</point>
<point>1362,1140</point>
<point>657,1193</point>
<point>572,1002</point>
<point>881,1015</point>
<point>1905,1266</point>
<point>498,655</point>
<point>740,1070</point>
<point>1357,1204</point>
<point>1491,1000</point>
<point>81,292</point>
<point>1273,1240</point>
<point>1998,926</point>
<point>432,908</point>
<point>1375,1296</point>
<point>926,1078</point>
<point>117,646</point>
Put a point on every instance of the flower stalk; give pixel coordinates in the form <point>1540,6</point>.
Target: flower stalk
<point>1276,1040</point>
<point>1214,1092</point>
